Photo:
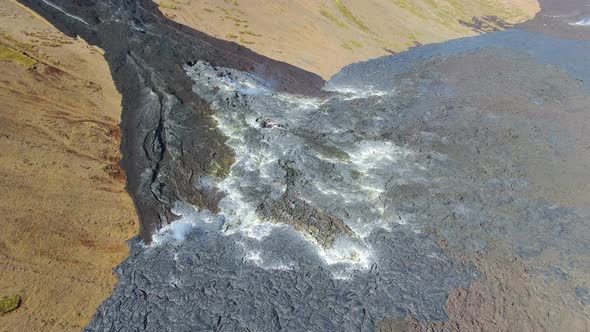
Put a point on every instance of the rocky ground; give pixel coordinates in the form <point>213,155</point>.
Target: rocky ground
<point>443,188</point>
<point>460,183</point>
<point>65,213</point>
<point>324,36</point>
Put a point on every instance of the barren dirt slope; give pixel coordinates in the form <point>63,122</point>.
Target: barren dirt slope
<point>323,36</point>
<point>64,214</point>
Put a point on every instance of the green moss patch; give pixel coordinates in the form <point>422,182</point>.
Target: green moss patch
<point>9,304</point>
<point>12,55</point>
<point>167,5</point>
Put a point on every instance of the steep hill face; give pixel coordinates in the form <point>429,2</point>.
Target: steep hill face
<point>64,212</point>
<point>323,36</point>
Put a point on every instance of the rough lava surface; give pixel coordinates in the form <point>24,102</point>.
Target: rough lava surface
<point>411,153</point>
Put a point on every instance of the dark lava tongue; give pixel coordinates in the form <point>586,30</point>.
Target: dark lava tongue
<point>162,119</point>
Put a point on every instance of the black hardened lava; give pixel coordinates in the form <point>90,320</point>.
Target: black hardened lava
<point>162,118</point>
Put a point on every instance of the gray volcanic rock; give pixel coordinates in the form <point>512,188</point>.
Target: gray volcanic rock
<point>380,73</point>
<point>291,210</point>
<point>443,153</point>
<point>207,282</point>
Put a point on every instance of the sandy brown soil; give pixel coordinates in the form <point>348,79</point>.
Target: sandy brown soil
<point>64,212</point>
<point>505,298</point>
<point>323,36</point>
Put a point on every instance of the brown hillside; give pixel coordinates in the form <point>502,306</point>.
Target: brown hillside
<point>323,36</point>
<point>64,214</point>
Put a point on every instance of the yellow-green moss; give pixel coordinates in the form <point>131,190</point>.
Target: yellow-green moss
<point>349,45</point>
<point>354,43</point>
<point>411,7</point>
<point>9,304</point>
<point>247,42</point>
<point>333,19</point>
<point>349,16</point>
<point>454,11</point>
<point>12,55</point>
<point>17,44</point>
<point>246,32</point>
<point>235,19</point>
<point>220,167</point>
<point>231,36</point>
<point>167,5</point>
